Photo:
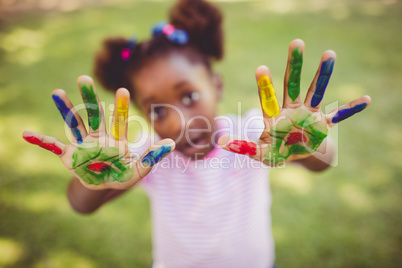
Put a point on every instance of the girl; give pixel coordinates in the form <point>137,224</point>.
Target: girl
<point>209,206</point>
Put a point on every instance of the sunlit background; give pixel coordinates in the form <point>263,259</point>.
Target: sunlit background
<point>348,216</point>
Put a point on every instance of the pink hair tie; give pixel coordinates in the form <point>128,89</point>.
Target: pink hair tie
<point>168,29</point>
<point>125,54</point>
<point>176,36</point>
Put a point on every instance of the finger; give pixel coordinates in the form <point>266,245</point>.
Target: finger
<point>253,149</point>
<point>237,145</point>
<point>70,116</point>
<point>293,74</point>
<point>157,152</point>
<point>49,143</point>
<point>154,155</point>
<point>317,89</point>
<point>119,122</point>
<point>348,110</point>
<point>96,118</point>
<point>269,102</point>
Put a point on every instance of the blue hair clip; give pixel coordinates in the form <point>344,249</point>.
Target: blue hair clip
<point>126,52</point>
<point>174,35</point>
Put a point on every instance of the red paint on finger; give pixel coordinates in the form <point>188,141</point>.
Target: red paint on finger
<point>98,167</point>
<point>48,146</point>
<point>242,147</point>
<point>295,137</point>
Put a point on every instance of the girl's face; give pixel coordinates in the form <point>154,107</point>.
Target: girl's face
<point>180,99</point>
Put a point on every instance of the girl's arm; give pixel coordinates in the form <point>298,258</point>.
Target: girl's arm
<point>84,200</point>
<point>101,162</point>
<point>297,132</point>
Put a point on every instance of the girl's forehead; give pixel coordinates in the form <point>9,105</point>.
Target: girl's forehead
<point>172,66</point>
<point>165,74</point>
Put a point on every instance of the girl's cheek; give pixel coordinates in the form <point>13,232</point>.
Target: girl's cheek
<point>163,129</point>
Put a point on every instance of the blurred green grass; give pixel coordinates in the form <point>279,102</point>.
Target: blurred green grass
<point>348,216</point>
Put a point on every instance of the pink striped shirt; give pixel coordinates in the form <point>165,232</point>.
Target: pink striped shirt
<point>213,212</point>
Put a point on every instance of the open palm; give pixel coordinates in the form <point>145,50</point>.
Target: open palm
<point>100,160</point>
<point>298,129</point>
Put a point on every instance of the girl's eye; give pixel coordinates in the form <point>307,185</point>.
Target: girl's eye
<point>190,98</point>
<point>157,113</point>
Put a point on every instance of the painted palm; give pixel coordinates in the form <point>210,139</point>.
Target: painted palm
<point>298,129</point>
<point>99,165</point>
<point>295,132</point>
<point>100,160</point>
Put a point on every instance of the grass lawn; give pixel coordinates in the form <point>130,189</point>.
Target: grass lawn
<point>348,216</point>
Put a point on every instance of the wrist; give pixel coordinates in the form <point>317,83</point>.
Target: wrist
<point>84,200</point>
<point>321,159</point>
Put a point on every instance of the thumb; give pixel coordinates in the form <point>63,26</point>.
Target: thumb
<point>256,150</point>
<point>237,145</point>
<point>154,155</point>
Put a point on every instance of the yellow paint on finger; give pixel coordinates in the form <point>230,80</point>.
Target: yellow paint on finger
<point>269,101</point>
<point>120,118</point>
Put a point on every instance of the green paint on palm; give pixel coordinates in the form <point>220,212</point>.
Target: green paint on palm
<point>92,106</point>
<point>296,62</point>
<point>298,121</point>
<point>110,158</point>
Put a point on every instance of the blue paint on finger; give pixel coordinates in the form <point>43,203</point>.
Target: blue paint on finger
<point>346,113</point>
<point>155,156</point>
<point>322,81</point>
<point>77,135</point>
<point>68,117</point>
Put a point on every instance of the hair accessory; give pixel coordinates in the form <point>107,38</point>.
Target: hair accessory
<point>174,35</point>
<point>126,52</point>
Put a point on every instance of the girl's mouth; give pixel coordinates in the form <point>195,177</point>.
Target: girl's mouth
<point>195,145</point>
<point>197,142</point>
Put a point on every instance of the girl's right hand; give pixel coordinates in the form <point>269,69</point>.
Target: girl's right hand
<point>99,160</point>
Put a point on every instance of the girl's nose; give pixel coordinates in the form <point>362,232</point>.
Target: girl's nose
<point>176,121</point>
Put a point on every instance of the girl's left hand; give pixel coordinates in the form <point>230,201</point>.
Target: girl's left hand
<point>298,129</point>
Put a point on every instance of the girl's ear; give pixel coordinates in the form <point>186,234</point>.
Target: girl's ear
<point>218,83</point>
